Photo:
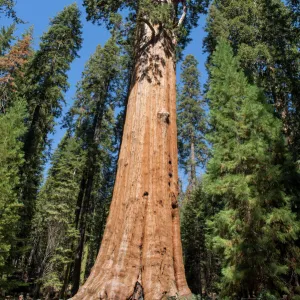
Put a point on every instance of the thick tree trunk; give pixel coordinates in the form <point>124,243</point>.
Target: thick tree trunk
<point>141,253</point>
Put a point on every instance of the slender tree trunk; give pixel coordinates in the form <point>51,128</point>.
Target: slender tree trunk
<point>82,229</point>
<point>80,200</point>
<point>90,165</point>
<point>62,293</point>
<point>193,165</point>
<point>192,173</point>
<point>200,275</point>
<point>30,181</point>
<point>141,252</point>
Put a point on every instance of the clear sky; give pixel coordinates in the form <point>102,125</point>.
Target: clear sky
<point>37,13</point>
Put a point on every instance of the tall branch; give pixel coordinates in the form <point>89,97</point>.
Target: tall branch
<point>149,25</point>
<point>183,16</point>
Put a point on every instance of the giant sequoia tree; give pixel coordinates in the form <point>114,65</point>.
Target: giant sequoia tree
<point>141,249</point>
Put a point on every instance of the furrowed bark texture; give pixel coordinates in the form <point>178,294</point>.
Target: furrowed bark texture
<point>141,253</point>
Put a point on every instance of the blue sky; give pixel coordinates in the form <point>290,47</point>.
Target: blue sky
<point>37,13</point>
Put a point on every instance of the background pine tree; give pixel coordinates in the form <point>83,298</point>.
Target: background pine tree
<point>256,224</point>
<point>13,62</point>
<point>7,7</point>
<point>6,37</point>
<point>54,232</point>
<point>11,159</point>
<point>191,120</point>
<point>202,265</point>
<point>264,37</point>
<point>47,82</point>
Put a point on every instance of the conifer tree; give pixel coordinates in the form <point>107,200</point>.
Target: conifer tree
<point>12,68</point>
<point>255,228</point>
<point>12,115</point>
<point>47,82</point>
<point>264,36</point>
<point>191,120</point>
<point>7,7</point>
<point>11,159</point>
<point>6,37</point>
<point>54,231</point>
<point>141,253</point>
<point>201,264</point>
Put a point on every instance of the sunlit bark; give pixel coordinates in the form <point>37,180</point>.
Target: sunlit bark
<point>141,251</point>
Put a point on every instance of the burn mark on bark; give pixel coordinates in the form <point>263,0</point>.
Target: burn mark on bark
<point>138,293</point>
<point>174,201</point>
<point>164,116</point>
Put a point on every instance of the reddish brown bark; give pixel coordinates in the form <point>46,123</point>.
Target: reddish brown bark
<point>141,250</point>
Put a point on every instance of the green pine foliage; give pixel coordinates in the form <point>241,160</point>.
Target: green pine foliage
<point>47,81</point>
<point>6,37</point>
<point>191,119</point>
<point>265,37</point>
<point>256,225</point>
<point>201,264</point>
<point>295,7</point>
<point>165,13</point>
<point>54,230</point>
<point>11,159</point>
<point>7,7</point>
<point>13,112</point>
